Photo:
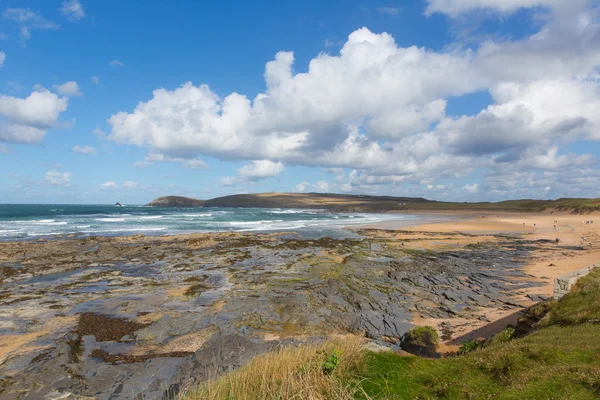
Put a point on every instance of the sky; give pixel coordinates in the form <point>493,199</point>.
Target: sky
<point>456,100</point>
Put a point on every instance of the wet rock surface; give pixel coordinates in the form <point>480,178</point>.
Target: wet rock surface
<point>133,317</point>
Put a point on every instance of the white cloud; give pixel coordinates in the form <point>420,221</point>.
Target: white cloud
<point>27,20</point>
<point>456,7</point>
<point>260,169</point>
<point>54,177</point>
<point>194,163</point>
<point>127,185</point>
<point>472,188</point>
<point>332,43</point>
<point>84,149</point>
<point>380,109</point>
<point>116,63</point>
<point>110,185</point>
<point>26,120</point>
<point>388,10</point>
<point>322,186</point>
<point>227,181</point>
<point>70,88</point>
<point>2,58</point>
<point>302,187</point>
<point>96,80</point>
<point>72,9</point>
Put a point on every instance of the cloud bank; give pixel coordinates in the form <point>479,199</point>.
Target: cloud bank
<point>379,110</point>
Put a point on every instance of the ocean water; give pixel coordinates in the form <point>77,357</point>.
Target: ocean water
<point>23,222</point>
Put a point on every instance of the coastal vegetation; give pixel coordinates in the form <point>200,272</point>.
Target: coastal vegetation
<point>558,359</point>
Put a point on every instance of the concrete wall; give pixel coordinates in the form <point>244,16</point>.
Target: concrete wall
<point>564,283</point>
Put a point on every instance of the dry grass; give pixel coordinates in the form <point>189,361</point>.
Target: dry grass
<point>289,373</point>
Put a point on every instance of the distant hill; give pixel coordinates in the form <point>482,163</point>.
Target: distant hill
<point>365,203</point>
<point>176,201</point>
<point>328,201</point>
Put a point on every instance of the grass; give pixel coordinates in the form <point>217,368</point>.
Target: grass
<point>552,363</point>
<point>425,336</point>
<point>581,305</point>
<point>558,360</point>
<point>290,373</point>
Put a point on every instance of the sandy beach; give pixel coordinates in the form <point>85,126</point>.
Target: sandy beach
<point>475,228</point>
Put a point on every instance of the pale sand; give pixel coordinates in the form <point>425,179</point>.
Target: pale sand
<point>10,344</point>
<point>545,264</point>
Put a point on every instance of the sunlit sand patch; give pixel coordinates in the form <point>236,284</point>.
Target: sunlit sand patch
<point>217,306</point>
<point>189,343</point>
<point>20,342</point>
<point>178,291</point>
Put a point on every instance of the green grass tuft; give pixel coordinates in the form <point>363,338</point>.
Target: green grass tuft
<point>425,336</point>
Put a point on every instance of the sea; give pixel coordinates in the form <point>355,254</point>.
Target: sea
<point>33,221</point>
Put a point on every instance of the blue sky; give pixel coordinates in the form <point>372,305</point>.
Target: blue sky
<point>446,99</point>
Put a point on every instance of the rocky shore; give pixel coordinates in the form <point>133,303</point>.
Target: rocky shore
<point>134,317</point>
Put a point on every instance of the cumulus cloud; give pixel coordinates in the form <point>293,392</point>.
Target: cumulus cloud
<point>26,120</point>
<point>116,63</point>
<point>70,88</point>
<point>321,186</point>
<point>380,109</point>
<point>260,169</point>
<point>72,10</point>
<point>54,177</point>
<point>302,187</point>
<point>84,150</point>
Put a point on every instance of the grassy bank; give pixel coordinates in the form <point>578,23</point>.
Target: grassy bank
<point>558,360</point>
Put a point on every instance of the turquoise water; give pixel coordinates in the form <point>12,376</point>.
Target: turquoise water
<point>18,222</point>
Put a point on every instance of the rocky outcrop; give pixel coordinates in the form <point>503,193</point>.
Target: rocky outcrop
<point>176,201</point>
